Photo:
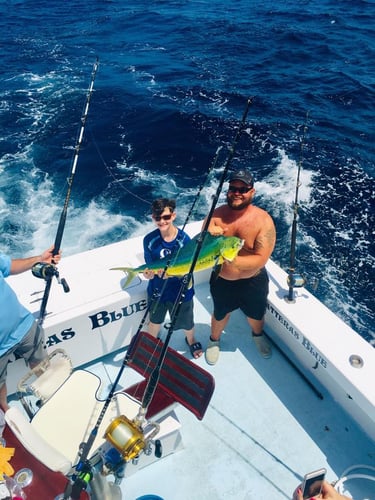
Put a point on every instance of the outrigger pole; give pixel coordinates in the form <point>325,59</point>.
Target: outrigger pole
<point>83,468</point>
<point>295,280</point>
<point>48,271</point>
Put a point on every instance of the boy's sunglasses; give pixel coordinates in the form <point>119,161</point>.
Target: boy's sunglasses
<point>162,217</point>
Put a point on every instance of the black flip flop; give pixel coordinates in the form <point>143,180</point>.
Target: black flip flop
<point>197,346</point>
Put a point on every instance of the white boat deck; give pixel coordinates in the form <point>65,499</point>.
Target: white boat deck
<point>264,428</point>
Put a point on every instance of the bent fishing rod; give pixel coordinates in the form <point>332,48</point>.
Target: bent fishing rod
<point>48,271</point>
<point>295,280</point>
<point>83,468</point>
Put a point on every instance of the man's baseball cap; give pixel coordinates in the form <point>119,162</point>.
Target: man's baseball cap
<point>242,175</point>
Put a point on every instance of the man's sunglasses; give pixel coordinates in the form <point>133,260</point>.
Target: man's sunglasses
<point>162,217</point>
<point>241,190</point>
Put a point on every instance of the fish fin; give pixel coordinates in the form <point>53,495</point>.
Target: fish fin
<point>130,274</point>
<point>129,278</point>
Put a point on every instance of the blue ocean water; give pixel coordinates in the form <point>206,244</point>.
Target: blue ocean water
<point>172,85</point>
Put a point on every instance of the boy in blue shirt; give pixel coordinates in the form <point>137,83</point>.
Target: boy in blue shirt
<point>164,241</point>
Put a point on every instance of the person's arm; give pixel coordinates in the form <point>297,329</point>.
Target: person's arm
<point>21,265</point>
<point>147,255</point>
<point>261,252</point>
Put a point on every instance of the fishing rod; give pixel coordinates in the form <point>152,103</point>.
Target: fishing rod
<point>84,468</point>
<point>151,303</point>
<point>212,167</point>
<point>295,280</point>
<point>48,271</point>
<point>186,280</point>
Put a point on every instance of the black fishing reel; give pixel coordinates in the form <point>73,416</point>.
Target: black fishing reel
<point>296,280</point>
<point>46,271</point>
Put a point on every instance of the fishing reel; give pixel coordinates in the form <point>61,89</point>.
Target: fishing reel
<point>296,280</point>
<point>130,439</point>
<point>46,271</point>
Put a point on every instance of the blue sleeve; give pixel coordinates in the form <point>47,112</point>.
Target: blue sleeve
<point>146,252</point>
<point>148,247</point>
<point>5,263</point>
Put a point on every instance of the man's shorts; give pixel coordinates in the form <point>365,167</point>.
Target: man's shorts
<point>30,348</point>
<point>249,295</point>
<point>185,317</point>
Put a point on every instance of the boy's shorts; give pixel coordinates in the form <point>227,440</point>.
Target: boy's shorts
<point>185,317</point>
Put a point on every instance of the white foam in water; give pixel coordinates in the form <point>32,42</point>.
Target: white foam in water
<point>279,187</point>
<point>98,224</point>
<point>37,214</point>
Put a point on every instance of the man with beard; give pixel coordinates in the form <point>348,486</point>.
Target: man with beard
<point>242,283</point>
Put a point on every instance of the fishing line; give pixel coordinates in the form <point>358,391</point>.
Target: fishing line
<point>119,182</point>
<point>197,196</point>
<point>47,271</point>
<point>115,180</point>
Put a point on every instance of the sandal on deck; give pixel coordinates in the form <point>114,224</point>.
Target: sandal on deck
<point>194,348</point>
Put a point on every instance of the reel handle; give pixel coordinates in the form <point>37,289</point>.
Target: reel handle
<point>64,284</point>
<point>47,271</point>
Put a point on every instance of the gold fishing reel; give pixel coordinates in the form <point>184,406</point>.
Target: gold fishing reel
<point>128,437</point>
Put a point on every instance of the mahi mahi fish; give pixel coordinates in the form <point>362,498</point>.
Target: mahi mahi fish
<point>214,250</point>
